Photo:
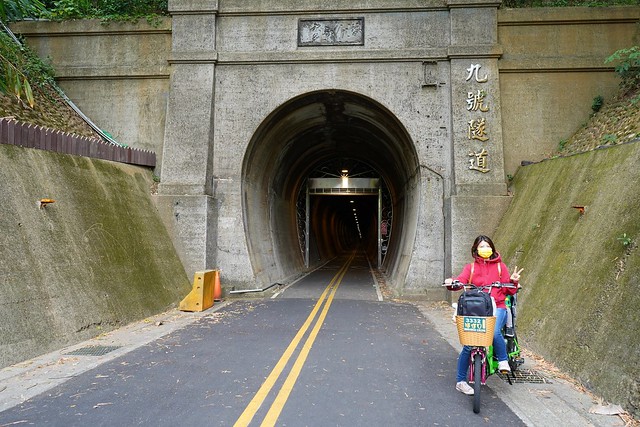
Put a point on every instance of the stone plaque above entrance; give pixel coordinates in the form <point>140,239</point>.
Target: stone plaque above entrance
<point>331,32</point>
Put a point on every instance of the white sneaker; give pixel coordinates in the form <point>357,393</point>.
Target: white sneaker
<point>503,366</point>
<point>465,388</point>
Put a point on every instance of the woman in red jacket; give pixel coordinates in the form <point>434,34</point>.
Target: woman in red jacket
<point>486,268</point>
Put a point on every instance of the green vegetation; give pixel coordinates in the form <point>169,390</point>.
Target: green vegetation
<point>16,10</point>
<point>22,71</point>
<point>26,92</point>
<point>597,103</point>
<point>625,240</point>
<point>107,10</point>
<point>133,10</point>
<point>615,122</point>
<point>562,144</point>
<point>567,3</point>
<point>628,68</point>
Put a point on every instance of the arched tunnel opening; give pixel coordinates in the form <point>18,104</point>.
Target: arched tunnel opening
<point>341,223</point>
<point>292,225</point>
<point>339,209</point>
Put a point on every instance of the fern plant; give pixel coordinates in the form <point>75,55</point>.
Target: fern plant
<point>628,67</point>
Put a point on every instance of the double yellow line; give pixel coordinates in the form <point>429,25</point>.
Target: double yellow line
<point>280,400</point>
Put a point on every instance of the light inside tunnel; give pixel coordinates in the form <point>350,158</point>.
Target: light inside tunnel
<point>330,134</point>
<point>336,226</point>
<point>345,197</point>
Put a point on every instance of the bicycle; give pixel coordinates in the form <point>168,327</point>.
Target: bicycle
<point>477,333</point>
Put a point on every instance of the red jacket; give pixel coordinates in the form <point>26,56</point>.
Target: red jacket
<point>485,272</point>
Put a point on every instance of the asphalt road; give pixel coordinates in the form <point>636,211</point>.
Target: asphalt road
<point>324,352</point>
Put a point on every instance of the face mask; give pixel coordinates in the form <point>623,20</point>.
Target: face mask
<point>485,252</point>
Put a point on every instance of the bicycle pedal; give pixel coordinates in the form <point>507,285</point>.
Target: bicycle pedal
<point>520,361</point>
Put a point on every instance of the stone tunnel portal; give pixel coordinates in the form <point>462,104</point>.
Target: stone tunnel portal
<point>328,134</point>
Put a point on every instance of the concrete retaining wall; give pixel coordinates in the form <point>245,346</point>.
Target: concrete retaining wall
<point>551,69</point>
<point>116,73</point>
<point>580,305</point>
<point>96,259</point>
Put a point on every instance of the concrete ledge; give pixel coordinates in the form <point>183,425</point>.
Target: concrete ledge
<point>331,55</point>
<point>193,7</point>
<point>88,27</point>
<point>553,65</point>
<point>568,15</point>
<point>478,51</point>
<point>473,3</point>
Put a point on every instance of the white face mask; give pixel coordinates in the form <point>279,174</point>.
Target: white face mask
<point>484,252</point>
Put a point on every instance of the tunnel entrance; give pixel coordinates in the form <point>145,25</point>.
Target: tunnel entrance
<point>292,220</point>
<point>344,205</point>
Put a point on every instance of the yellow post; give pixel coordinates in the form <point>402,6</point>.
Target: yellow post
<point>201,296</point>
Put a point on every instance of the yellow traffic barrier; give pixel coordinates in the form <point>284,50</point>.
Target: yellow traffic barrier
<point>201,296</point>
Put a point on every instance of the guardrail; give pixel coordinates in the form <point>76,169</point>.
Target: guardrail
<point>33,136</point>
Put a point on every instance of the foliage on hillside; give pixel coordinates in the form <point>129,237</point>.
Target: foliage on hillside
<point>61,10</point>
<point>106,10</point>
<point>615,121</point>
<point>567,3</point>
<point>15,10</point>
<point>49,108</point>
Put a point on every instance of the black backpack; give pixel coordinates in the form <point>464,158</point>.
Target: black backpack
<point>474,302</point>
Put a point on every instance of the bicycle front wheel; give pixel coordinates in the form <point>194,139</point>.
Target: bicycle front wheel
<point>477,377</point>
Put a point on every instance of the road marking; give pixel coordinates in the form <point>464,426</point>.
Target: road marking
<point>265,388</point>
<point>276,408</point>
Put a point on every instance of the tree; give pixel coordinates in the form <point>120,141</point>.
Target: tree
<point>16,10</point>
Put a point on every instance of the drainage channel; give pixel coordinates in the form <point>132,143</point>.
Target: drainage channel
<point>93,350</point>
<point>525,376</point>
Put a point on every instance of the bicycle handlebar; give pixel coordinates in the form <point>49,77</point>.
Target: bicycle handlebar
<point>471,285</point>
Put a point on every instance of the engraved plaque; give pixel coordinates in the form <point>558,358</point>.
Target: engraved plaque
<point>331,32</point>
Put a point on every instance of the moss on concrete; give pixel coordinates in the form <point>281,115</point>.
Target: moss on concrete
<point>97,258</point>
<point>580,304</point>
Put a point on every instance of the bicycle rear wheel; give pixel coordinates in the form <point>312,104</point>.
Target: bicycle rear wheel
<point>513,352</point>
<point>477,381</point>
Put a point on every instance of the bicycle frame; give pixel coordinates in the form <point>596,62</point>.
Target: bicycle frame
<point>513,348</point>
<point>484,374</point>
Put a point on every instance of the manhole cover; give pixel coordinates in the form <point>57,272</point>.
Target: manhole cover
<point>525,376</point>
<point>93,350</point>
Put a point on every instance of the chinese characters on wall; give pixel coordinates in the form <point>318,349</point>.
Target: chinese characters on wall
<point>477,127</point>
<point>331,32</point>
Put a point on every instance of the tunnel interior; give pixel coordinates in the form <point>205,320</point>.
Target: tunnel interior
<point>347,206</point>
<point>324,134</point>
<point>334,216</point>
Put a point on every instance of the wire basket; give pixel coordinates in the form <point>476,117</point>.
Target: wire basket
<point>475,330</point>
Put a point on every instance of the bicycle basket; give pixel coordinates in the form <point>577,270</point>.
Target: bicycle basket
<point>476,330</point>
